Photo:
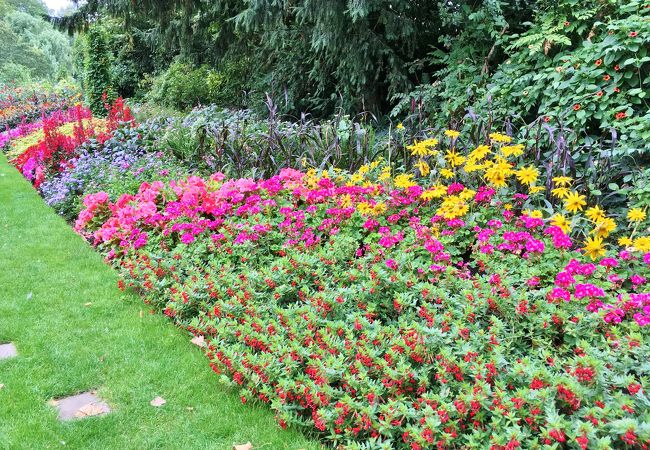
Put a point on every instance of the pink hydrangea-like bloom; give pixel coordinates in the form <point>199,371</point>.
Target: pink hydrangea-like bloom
<point>609,262</point>
<point>391,264</point>
<point>560,294</point>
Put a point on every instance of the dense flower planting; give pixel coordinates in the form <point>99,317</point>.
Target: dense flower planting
<point>21,105</point>
<point>447,307</point>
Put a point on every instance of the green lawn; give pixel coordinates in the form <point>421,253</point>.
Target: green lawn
<point>47,275</point>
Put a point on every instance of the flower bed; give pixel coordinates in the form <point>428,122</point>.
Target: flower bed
<point>450,307</point>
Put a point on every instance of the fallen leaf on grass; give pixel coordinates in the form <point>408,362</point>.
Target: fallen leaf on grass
<point>246,446</point>
<point>141,314</point>
<point>29,296</point>
<point>88,304</point>
<point>1,386</point>
<point>198,340</point>
<point>89,410</point>
<point>158,402</point>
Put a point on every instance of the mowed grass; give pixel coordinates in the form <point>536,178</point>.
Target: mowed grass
<point>47,276</point>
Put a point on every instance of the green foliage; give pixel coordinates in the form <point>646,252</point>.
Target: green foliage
<point>182,86</point>
<point>32,49</point>
<point>97,78</point>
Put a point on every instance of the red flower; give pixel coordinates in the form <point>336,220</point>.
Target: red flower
<point>599,94</point>
<point>576,107</point>
<point>617,67</point>
<point>599,62</point>
<point>567,23</point>
<point>606,77</point>
<point>620,115</point>
<point>633,34</point>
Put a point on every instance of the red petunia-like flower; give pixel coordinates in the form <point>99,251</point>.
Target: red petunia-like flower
<point>621,115</point>
<point>576,107</point>
<point>633,34</point>
<point>598,62</point>
<point>606,77</point>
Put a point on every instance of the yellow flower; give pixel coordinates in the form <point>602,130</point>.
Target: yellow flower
<point>604,227</point>
<point>363,170</point>
<point>560,192</point>
<point>636,215</point>
<point>498,172</point>
<point>417,149</point>
<point>625,242</point>
<point>562,181</point>
<point>642,244</point>
<point>535,213</point>
<point>385,174</point>
<point>452,134</point>
<point>454,159</point>
<point>513,150</point>
<point>436,191</point>
<point>502,138</point>
<point>356,178</point>
<point>574,202</point>
<point>404,181</point>
<point>479,153</point>
<point>471,167</point>
<point>527,175</point>
<point>446,173</point>
<point>423,167</point>
<point>400,126</point>
<point>379,208</point>
<point>594,247</point>
<point>364,208</point>
<point>560,221</point>
<point>536,189</point>
<point>595,214</point>
<point>346,201</point>
<point>452,207</point>
<point>467,194</point>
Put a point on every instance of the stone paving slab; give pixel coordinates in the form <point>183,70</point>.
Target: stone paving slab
<point>86,404</point>
<point>8,351</point>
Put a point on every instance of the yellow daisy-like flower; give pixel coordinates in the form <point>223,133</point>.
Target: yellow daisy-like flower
<point>346,201</point>
<point>625,242</point>
<point>513,150</point>
<point>471,167</point>
<point>636,215</point>
<point>560,221</point>
<point>454,159</point>
<point>356,178</point>
<point>642,244</point>
<point>446,173</point>
<point>417,149</point>
<point>560,192</point>
<point>400,126</point>
<point>594,247</point>
<point>452,207</point>
<point>364,208</point>
<point>562,181</point>
<point>501,138</point>
<point>574,202</point>
<point>498,173</point>
<point>385,174</point>
<point>595,213</point>
<point>467,194</point>
<point>404,181</point>
<point>479,153</point>
<point>435,191</point>
<point>453,134</point>
<point>378,209</point>
<point>536,189</point>
<point>423,167</point>
<point>604,227</point>
<point>535,213</point>
<point>527,175</point>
